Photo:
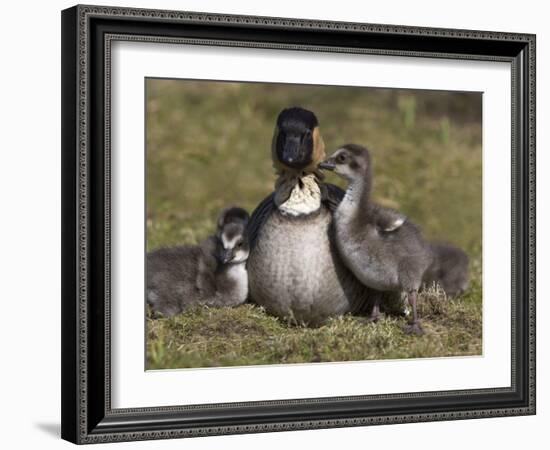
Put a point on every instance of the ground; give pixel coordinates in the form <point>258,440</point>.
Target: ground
<point>208,146</point>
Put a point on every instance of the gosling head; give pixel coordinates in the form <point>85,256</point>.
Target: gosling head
<point>351,162</point>
<point>232,243</point>
<point>297,146</point>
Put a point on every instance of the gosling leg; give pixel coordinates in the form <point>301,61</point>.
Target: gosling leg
<point>414,326</point>
<point>375,313</point>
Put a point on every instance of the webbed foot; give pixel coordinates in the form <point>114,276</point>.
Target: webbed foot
<point>414,328</point>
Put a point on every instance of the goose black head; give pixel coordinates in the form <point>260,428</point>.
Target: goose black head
<point>232,243</point>
<point>351,162</point>
<point>297,144</point>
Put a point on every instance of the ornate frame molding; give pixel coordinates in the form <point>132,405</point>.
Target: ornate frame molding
<point>85,30</point>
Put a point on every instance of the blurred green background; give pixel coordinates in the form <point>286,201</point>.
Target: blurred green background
<point>208,146</point>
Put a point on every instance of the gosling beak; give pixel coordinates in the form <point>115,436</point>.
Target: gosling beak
<point>226,256</point>
<point>327,165</point>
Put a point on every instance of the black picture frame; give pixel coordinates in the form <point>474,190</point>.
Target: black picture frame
<point>87,33</point>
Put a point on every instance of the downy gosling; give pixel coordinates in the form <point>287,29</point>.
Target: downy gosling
<point>449,269</point>
<point>212,273</point>
<point>383,249</point>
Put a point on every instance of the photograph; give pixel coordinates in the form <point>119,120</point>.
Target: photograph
<point>296,223</point>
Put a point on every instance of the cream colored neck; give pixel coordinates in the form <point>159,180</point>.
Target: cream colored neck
<point>297,195</point>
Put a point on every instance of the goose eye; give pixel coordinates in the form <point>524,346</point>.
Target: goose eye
<point>341,158</point>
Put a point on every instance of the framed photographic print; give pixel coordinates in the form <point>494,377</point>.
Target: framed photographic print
<point>282,224</point>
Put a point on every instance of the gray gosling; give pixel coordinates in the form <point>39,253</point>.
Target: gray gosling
<point>449,269</point>
<point>382,248</point>
<point>212,273</point>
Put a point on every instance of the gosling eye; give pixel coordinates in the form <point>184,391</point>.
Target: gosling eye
<point>239,244</point>
<point>341,158</point>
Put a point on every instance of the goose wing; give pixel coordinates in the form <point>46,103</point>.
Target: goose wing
<point>331,195</point>
<point>258,218</point>
<point>389,220</point>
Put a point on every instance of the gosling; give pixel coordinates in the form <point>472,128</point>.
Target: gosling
<point>382,248</point>
<point>212,273</point>
<point>449,269</point>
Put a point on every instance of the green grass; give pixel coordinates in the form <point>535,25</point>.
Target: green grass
<point>208,146</point>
